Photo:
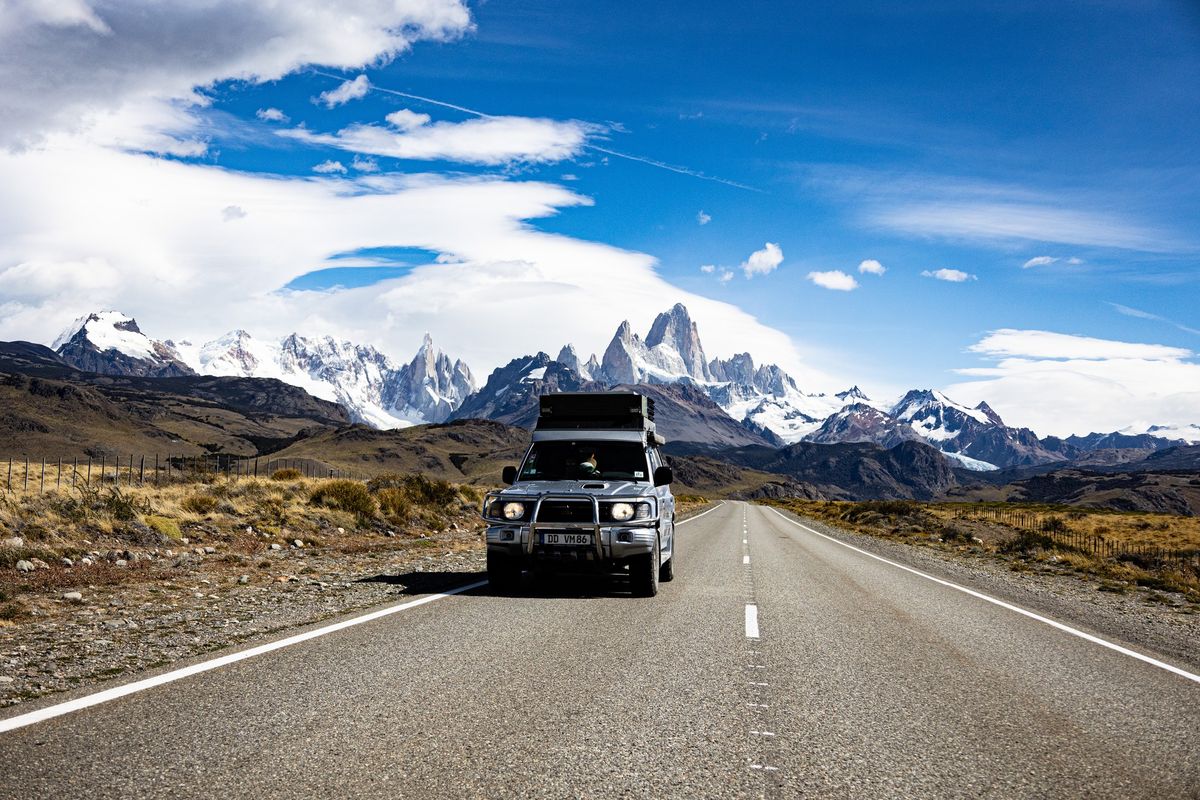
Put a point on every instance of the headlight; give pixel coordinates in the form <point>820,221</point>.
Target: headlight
<point>513,510</point>
<point>622,511</point>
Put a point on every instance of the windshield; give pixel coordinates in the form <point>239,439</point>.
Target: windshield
<point>585,460</point>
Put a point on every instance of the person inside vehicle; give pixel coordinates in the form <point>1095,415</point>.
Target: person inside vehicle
<point>588,466</point>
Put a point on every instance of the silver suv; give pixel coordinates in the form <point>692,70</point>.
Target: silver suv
<point>591,495</point>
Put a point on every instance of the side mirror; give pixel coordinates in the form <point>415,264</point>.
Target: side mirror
<point>663,476</point>
<point>509,475</point>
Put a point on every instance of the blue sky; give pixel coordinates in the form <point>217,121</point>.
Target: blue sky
<point>837,116</point>
<point>1045,154</point>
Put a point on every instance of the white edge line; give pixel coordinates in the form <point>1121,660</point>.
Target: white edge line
<point>698,516</point>
<point>96,699</point>
<point>1046,620</point>
<point>751,621</point>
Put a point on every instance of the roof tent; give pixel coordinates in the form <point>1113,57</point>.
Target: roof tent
<point>596,411</point>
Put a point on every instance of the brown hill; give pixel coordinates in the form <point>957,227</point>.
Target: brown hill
<point>464,451</point>
<point>53,410</point>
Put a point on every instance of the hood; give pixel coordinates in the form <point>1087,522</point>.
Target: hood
<point>617,488</point>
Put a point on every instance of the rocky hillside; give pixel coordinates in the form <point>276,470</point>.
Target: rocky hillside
<point>51,408</point>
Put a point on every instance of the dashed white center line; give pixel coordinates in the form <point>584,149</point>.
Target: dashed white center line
<point>761,733</point>
<point>751,621</point>
<point>746,559</point>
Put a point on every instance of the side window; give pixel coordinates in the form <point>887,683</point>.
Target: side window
<point>655,461</point>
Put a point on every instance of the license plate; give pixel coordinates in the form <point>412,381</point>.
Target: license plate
<point>561,538</point>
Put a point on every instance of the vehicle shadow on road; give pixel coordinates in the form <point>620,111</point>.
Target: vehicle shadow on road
<point>549,588</point>
<point>429,582</point>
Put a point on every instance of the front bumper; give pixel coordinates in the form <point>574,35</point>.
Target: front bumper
<point>611,541</point>
<point>614,543</point>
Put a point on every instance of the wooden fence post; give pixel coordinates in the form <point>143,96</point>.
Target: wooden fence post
<point>9,484</point>
<point>42,483</point>
<point>25,485</point>
<point>142,470</point>
<point>58,477</point>
<point>74,471</point>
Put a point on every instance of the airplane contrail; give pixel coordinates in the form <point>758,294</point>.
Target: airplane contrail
<point>596,148</point>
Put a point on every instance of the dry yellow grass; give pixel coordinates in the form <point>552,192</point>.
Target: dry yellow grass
<point>972,528</point>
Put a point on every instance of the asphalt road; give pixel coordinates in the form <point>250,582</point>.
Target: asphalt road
<point>865,681</point>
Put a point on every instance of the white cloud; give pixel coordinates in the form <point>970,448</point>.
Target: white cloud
<point>1139,314</point>
<point>708,269</point>
<point>486,140</point>
<point>271,115</point>
<point>702,218</point>
<point>1074,261</point>
<point>951,275</point>
<point>1059,384</point>
<point>184,272</point>
<point>1038,222</point>
<point>1039,261</point>
<point>764,261</point>
<point>230,213</point>
<point>568,176</point>
<point>1048,345</point>
<point>407,120</point>
<point>328,167</point>
<point>345,92</point>
<point>726,276</point>
<point>834,279</point>
<point>872,267</point>
<point>364,164</point>
<point>68,66</point>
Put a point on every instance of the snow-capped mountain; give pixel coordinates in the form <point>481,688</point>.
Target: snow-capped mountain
<point>760,400</point>
<point>569,358</point>
<point>759,396</point>
<point>111,343</point>
<point>1186,433</point>
<point>977,433</point>
<point>367,383</point>
<point>860,422</point>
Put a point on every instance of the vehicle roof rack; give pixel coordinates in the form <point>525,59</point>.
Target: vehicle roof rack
<point>596,411</point>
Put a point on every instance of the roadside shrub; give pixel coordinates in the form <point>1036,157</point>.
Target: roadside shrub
<point>952,533</point>
<point>345,495</point>
<point>200,504</point>
<point>165,526</point>
<point>287,474</point>
<point>1028,542</point>
<point>393,503</point>
<point>123,507</point>
<point>420,490</point>
<point>1054,525</point>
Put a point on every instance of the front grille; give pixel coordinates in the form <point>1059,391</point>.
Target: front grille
<point>565,511</point>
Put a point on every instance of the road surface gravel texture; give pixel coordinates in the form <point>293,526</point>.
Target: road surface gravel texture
<point>865,681</point>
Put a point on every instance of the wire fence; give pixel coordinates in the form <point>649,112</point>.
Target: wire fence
<point>26,474</point>
<point>1058,531</point>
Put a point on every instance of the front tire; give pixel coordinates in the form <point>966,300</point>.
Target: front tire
<point>644,572</point>
<point>504,574</point>
<point>666,572</point>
